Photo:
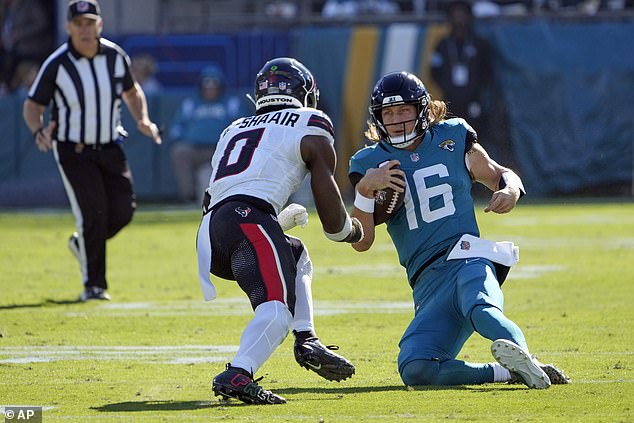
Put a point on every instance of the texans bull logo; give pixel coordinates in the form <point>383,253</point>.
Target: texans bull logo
<point>243,212</point>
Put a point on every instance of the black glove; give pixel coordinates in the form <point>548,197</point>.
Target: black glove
<point>356,234</point>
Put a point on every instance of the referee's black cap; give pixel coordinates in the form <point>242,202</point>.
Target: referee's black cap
<point>86,8</point>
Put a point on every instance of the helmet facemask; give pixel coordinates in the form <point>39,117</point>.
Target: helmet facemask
<point>406,139</point>
<point>394,89</point>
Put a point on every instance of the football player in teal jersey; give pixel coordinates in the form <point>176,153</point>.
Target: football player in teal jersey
<point>455,275</point>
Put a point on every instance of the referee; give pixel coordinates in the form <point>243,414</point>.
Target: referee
<point>85,80</point>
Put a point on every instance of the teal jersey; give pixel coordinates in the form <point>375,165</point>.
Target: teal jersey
<point>438,207</point>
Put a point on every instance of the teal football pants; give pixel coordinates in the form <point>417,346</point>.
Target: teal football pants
<point>452,300</point>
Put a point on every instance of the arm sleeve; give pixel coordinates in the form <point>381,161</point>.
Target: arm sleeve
<point>471,138</point>
<point>43,87</point>
<point>355,178</point>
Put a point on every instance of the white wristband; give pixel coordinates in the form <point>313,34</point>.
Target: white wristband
<point>343,233</point>
<point>364,203</point>
<point>510,178</point>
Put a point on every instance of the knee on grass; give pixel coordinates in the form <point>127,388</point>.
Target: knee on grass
<point>420,373</point>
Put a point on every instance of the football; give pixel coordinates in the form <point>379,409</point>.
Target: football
<point>386,203</point>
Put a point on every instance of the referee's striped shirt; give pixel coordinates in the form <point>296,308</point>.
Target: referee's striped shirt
<point>85,93</point>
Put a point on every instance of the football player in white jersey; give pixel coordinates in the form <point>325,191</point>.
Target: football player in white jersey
<point>259,162</point>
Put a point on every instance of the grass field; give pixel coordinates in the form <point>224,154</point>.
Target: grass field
<point>150,354</point>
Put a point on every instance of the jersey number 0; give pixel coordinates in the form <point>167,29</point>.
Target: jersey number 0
<point>238,153</point>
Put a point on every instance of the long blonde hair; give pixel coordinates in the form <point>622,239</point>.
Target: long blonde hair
<point>436,113</point>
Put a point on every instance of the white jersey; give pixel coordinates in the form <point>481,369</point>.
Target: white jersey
<point>260,155</point>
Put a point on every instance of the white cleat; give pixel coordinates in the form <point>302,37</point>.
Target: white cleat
<point>520,363</point>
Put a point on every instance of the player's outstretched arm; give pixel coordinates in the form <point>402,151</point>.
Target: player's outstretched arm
<point>507,187</point>
<point>321,160</point>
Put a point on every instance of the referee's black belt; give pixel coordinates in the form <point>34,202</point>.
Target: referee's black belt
<point>81,145</point>
<point>426,264</point>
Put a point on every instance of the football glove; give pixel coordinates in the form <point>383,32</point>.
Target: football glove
<point>293,215</point>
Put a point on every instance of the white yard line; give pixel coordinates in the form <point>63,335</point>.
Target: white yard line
<point>164,354</point>
<point>167,354</point>
<point>239,306</point>
<point>583,219</point>
<point>373,270</point>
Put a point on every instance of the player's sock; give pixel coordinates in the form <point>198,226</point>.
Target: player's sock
<point>500,374</point>
<point>491,323</point>
<point>263,334</point>
<point>303,318</point>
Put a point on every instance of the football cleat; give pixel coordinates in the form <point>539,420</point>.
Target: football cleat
<point>522,365</point>
<point>94,293</point>
<point>556,376</point>
<point>237,383</point>
<point>311,354</point>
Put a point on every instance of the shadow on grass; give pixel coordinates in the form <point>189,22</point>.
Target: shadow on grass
<point>365,389</point>
<point>135,406</point>
<point>46,303</point>
<point>340,390</point>
<point>472,388</point>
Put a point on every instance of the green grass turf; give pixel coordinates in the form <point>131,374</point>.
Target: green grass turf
<point>572,294</point>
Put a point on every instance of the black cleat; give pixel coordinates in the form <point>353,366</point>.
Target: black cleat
<point>311,354</point>
<point>556,376</point>
<point>94,293</point>
<point>239,384</point>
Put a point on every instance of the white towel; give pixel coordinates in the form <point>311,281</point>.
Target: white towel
<point>505,252</point>
<point>203,247</point>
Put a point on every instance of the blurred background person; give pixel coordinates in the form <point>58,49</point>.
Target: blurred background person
<point>489,8</point>
<point>461,66</point>
<point>23,77</point>
<point>340,8</point>
<point>27,35</point>
<point>281,9</point>
<point>196,129</point>
<point>144,69</point>
<point>352,8</point>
